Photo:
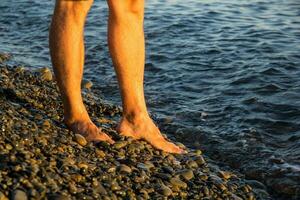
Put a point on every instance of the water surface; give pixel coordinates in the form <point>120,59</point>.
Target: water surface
<point>222,76</point>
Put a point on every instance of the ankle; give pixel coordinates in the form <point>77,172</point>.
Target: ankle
<point>136,116</point>
<point>74,117</point>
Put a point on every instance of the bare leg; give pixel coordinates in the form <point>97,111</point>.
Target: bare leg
<point>67,55</point>
<point>127,48</point>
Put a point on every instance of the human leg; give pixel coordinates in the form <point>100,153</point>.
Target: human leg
<point>66,44</point>
<point>127,49</point>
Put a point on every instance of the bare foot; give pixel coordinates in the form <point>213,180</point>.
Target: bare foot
<point>144,128</point>
<point>89,130</point>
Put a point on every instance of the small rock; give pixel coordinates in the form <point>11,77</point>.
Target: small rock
<point>165,190</point>
<point>144,166</point>
<point>225,174</point>
<point>80,139</point>
<point>87,84</point>
<point>46,123</point>
<point>198,152</point>
<point>168,169</point>
<point>100,189</point>
<point>200,160</point>
<point>4,57</point>
<point>115,186</point>
<point>125,168</point>
<point>8,146</point>
<point>46,74</point>
<point>2,196</point>
<point>100,153</point>
<point>192,164</point>
<point>120,144</point>
<point>163,176</point>
<point>178,183</point>
<point>187,174</point>
<point>19,195</point>
<point>58,197</point>
<point>83,165</point>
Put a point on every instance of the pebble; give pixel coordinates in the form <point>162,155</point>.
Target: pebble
<point>46,74</point>
<point>87,84</point>
<point>192,164</point>
<point>178,183</point>
<point>120,144</point>
<point>80,139</point>
<point>100,153</point>
<point>46,123</point>
<point>225,174</point>
<point>19,195</point>
<point>163,176</point>
<point>115,186</point>
<point>2,196</point>
<point>165,190</point>
<point>143,166</point>
<point>198,152</point>
<point>200,160</point>
<point>125,168</point>
<point>51,164</point>
<point>187,174</point>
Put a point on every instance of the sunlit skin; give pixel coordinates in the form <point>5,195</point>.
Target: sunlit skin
<point>127,50</point>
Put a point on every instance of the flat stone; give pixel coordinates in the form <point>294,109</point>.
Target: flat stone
<point>178,183</point>
<point>87,84</point>
<point>187,174</point>
<point>143,166</point>
<point>200,160</point>
<point>165,190</point>
<point>192,164</point>
<point>125,168</point>
<point>224,174</point>
<point>80,139</point>
<point>19,195</point>
<point>120,144</point>
<point>2,196</point>
<point>46,74</point>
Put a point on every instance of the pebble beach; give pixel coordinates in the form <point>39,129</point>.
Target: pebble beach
<point>41,159</point>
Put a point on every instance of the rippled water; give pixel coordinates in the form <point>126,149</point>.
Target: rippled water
<point>223,76</point>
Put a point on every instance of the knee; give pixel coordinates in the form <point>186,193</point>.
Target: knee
<point>124,8</point>
<point>74,7</point>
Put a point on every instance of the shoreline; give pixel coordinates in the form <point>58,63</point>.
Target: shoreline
<point>41,159</point>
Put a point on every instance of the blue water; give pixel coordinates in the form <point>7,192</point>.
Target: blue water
<point>223,76</point>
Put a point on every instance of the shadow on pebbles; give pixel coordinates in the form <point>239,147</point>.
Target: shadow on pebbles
<point>41,159</point>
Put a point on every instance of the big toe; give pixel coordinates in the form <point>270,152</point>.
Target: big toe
<point>167,147</point>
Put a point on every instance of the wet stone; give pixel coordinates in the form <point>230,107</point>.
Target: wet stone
<point>163,176</point>
<point>59,197</point>
<point>200,160</point>
<point>80,139</point>
<point>100,153</point>
<point>187,174</point>
<point>46,74</point>
<point>225,174</point>
<point>192,164</point>
<point>19,195</point>
<point>115,186</point>
<point>120,144</point>
<point>125,169</point>
<point>178,183</point>
<point>143,166</point>
<point>2,196</point>
<point>165,190</point>
<point>87,84</point>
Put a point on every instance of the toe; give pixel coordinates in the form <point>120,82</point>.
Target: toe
<point>172,148</point>
<point>103,137</point>
<point>167,147</point>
